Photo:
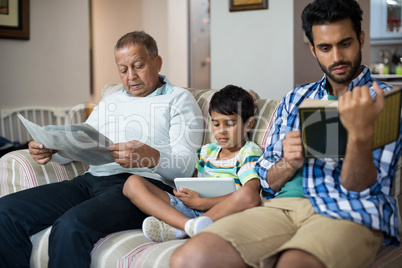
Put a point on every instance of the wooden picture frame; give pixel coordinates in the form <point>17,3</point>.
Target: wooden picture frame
<point>241,5</point>
<point>14,19</point>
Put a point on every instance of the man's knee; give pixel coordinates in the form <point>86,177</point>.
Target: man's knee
<point>298,259</point>
<point>185,254</point>
<point>131,185</point>
<point>206,250</point>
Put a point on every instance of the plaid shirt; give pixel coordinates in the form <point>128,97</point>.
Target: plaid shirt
<point>374,207</point>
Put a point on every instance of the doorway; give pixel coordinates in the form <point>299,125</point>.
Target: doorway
<point>199,44</point>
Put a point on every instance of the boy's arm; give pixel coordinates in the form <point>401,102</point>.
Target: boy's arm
<point>194,201</point>
<point>254,184</point>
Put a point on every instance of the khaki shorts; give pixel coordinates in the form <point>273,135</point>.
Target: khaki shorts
<point>261,233</point>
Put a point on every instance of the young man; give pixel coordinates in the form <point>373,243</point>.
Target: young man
<point>185,213</point>
<point>91,206</point>
<point>333,212</point>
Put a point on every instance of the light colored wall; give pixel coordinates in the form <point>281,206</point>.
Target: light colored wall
<point>177,42</point>
<point>166,21</point>
<point>253,49</point>
<point>110,20</point>
<point>52,68</point>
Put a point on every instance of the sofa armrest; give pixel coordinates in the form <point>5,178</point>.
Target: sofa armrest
<point>18,171</point>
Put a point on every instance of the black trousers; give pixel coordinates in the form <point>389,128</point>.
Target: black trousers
<point>81,211</point>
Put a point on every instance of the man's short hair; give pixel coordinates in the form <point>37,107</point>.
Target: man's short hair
<point>322,12</point>
<point>138,38</point>
<point>233,100</point>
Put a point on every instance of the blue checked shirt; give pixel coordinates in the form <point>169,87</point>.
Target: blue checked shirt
<point>374,207</point>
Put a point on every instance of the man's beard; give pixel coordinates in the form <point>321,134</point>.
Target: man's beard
<point>349,75</point>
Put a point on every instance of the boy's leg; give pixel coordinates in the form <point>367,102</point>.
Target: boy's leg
<point>153,201</point>
<point>27,212</point>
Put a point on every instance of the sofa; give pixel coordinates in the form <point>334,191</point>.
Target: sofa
<point>18,171</point>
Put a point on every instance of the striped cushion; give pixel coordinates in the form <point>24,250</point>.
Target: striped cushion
<point>388,257</point>
<point>122,249</point>
<point>22,172</point>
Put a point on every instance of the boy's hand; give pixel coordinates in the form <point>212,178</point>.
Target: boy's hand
<point>188,197</point>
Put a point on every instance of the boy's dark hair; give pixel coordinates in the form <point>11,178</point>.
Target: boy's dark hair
<point>233,100</point>
<point>138,38</point>
<point>329,11</point>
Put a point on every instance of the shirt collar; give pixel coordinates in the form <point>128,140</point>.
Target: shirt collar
<point>159,91</point>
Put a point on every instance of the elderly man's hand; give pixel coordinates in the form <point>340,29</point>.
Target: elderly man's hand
<point>39,153</point>
<point>134,154</point>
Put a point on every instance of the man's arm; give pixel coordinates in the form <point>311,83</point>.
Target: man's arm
<point>358,112</point>
<point>185,134</point>
<point>282,171</point>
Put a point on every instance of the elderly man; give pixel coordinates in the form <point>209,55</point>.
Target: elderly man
<point>155,127</point>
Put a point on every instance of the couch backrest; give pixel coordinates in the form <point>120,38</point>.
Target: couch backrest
<point>397,193</point>
<point>265,110</point>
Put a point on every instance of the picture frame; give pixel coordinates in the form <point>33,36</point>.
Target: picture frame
<point>242,5</point>
<point>14,19</point>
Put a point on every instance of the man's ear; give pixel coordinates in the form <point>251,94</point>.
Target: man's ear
<point>362,37</point>
<point>249,124</point>
<point>158,61</point>
<point>312,49</point>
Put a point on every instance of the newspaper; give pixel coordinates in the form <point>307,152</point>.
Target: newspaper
<point>79,142</point>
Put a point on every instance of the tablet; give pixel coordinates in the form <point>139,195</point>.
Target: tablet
<point>207,187</point>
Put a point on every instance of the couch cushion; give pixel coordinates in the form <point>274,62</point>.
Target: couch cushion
<point>122,249</point>
<point>23,172</point>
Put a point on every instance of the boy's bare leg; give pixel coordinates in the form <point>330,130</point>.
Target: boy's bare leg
<point>153,201</point>
<point>206,250</point>
<point>246,197</point>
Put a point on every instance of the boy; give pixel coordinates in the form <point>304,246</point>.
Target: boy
<point>185,213</point>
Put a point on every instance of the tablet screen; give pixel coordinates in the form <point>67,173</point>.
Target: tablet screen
<point>207,187</point>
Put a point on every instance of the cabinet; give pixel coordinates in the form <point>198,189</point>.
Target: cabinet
<point>385,18</point>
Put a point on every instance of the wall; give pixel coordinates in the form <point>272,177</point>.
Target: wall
<point>110,20</point>
<point>253,49</point>
<point>52,68</point>
<point>166,21</point>
<point>302,53</point>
